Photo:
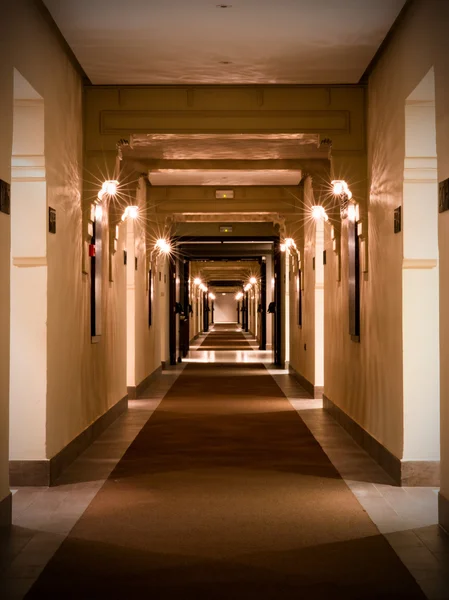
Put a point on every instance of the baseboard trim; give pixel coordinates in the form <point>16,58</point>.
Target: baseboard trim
<point>6,512</point>
<point>443,512</point>
<point>314,390</point>
<point>404,473</point>
<point>46,472</point>
<point>135,392</point>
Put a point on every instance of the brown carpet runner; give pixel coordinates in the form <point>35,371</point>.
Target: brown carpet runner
<point>225,495</point>
<point>219,339</point>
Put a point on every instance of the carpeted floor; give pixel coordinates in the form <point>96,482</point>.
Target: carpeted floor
<point>222,337</point>
<point>225,494</point>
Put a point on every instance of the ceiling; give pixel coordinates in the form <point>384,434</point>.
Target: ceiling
<point>248,42</point>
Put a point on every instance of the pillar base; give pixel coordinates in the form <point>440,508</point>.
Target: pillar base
<point>46,472</point>
<point>315,391</point>
<point>411,473</point>
<point>135,391</point>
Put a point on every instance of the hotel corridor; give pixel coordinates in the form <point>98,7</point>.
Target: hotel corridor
<point>225,493</point>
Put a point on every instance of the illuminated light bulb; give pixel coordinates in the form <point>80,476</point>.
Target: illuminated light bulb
<point>101,194</point>
<point>283,247</point>
<point>239,296</point>
<point>197,281</point>
<point>110,187</point>
<point>289,242</point>
<point>318,212</point>
<point>351,212</point>
<point>338,187</point>
<point>163,245</point>
<point>130,211</point>
<point>247,287</point>
<point>133,212</point>
<point>212,296</point>
<point>349,194</point>
<point>253,281</point>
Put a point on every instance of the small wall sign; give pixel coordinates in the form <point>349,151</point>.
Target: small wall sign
<point>5,197</point>
<point>51,220</point>
<point>443,203</point>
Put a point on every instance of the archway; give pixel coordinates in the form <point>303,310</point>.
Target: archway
<point>420,301</point>
<point>30,221</point>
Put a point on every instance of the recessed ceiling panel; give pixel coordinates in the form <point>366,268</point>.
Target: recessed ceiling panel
<point>223,146</point>
<point>193,177</point>
<point>250,41</point>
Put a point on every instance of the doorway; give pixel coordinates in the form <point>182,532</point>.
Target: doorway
<point>29,223</point>
<point>420,276</point>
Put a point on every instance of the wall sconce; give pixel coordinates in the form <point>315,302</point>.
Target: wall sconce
<point>319,212</point>
<point>131,212</point>
<point>115,239</point>
<point>340,188</point>
<point>287,244</point>
<point>212,296</point>
<point>239,296</point>
<point>351,212</point>
<point>253,280</point>
<point>197,281</point>
<point>247,287</point>
<point>163,246</point>
<point>109,188</point>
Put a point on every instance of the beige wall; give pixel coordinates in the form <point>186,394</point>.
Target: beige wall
<point>83,379</point>
<point>366,379</point>
<point>28,45</point>
<point>302,339</point>
<point>144,342</point>
<point>225,308</point>
<point>418,46</point>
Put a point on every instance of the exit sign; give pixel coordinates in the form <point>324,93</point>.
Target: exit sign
<point>225,229</point>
